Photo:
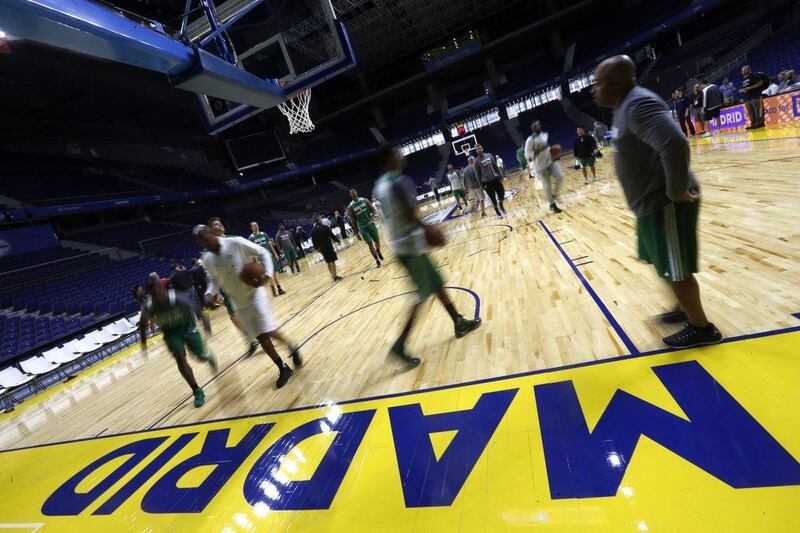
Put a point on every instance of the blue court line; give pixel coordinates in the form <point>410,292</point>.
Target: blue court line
<point>611,320</point>
<point>728,340</point>
<point>796,315</point>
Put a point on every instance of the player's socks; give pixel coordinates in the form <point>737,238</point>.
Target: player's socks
<point>252,349</point>
<point>199,397</point>
<point>297,360</point>
<point>285,374</point>
<point>464,326</point>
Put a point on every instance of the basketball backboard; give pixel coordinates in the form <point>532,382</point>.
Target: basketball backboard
<point>465,145</point>
<point>293,45</point>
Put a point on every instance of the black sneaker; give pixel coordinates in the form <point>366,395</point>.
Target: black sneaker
<point>380,256</point>
<point>286,373</point>
<point>297,360</point>
<point>252,349</point>
<point>464,326</point>
<point>274,291</point>
<point>555,208</point>
<point>676,316</point>
<point>693,336</point>
<point>281,291</point>
<point>401,353</point>
<point>377,264</point>
<point>337,278</point>
<point>483,215</point>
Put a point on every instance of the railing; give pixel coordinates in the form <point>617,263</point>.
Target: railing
<point>184,233</point>
<point>736,56</point>
<point>64,272</point>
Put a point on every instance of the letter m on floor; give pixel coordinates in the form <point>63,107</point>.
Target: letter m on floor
<point>720,437</point>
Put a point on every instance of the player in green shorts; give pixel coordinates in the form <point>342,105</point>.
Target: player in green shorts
<point>260,238</point>
<point>175,315</point>
<point>362,212</point>
<point>286,243</point>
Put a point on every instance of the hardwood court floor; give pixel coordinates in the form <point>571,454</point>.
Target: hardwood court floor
<point>553,290</point>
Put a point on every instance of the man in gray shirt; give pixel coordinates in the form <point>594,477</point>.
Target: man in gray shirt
<point>473,183</point>
<point>491,179</point>
<point>410,238</point>
<point>652,163</point>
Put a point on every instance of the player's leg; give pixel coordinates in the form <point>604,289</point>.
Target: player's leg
<point>594,173</point>
<point>293,348</point>
<point>668,240</point>
<point>197,346</point>
<point>547,187</point>
<point>259,322</point>
<point>334,271</point>
<point>558,179</point>
<point>294,259</point>
<point>368,237</point>
<point>175,343</point>
<point>235,321</point>
<point>489,188</point>
<point>585,173</point>
<point>501,194</point>
<point>372,229</point>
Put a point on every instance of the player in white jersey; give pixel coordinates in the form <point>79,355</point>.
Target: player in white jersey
<point>224,262</point>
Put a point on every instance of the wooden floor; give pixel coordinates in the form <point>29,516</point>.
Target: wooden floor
<point>553,289</point>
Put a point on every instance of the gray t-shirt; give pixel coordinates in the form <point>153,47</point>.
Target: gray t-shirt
<point>456,182</point>
<point>397,193</point>
<point>652,159</point>
<point>284,238</point>
<point>471,179</point>
<point>487,167</point>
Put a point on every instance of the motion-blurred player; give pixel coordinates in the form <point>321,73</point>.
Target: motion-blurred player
<point>260,238</point>
<point>537,150</point>
<point>175,315</point>
<point>219,230</point>
<point>224,261</point>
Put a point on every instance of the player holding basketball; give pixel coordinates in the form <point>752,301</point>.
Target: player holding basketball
<point>175,315</point>
<point>219,230</point>
<point>537,151</point>
<point>652,164</point>
<point>224,261</point>
<point>260,238</point>
<point>361,211</point>
<point>410,237</point>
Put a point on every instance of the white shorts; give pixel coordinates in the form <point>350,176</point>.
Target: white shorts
<point>257,318</point>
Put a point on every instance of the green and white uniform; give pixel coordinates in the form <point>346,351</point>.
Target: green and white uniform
<point>366,227</point>
<point>262,240</point>
<point>177,322</point>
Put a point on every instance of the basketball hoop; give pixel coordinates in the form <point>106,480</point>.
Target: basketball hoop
<point>295,108</point>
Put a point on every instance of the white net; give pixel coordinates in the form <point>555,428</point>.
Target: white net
<point>295,108</point>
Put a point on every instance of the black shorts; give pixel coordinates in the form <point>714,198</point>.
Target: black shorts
<point>712,113</point>
<point>330,256</point>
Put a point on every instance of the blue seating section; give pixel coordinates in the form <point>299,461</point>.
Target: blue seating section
<point>20,333</point>
<point>14,262</point>
<point>771,57</point>
<point>128,236</point>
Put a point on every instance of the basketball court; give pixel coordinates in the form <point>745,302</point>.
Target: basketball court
<point>562,412</point>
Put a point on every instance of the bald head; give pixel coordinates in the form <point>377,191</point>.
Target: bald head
<point>614,78</point>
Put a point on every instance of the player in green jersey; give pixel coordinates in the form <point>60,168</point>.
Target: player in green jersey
<point>260,238</point>
<point>175,315</point>
<point>361,213</point>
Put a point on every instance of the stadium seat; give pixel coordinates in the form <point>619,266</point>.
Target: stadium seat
<point>37,365</point>
<point>11,377</point>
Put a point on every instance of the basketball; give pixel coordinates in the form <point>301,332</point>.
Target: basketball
<point>434,236</point>
<point>555,151</point>
<point>251,273</point>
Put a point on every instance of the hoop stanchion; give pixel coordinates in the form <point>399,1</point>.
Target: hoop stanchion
<point>295,108</point>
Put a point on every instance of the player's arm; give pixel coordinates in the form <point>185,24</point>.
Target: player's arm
<point>654,127</point>
<point>332,235</point>
<point>212,285</point>
<point>185,304</point>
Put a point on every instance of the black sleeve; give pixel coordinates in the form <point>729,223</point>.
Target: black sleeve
<point>331,235</point>
<point>575,148</point>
